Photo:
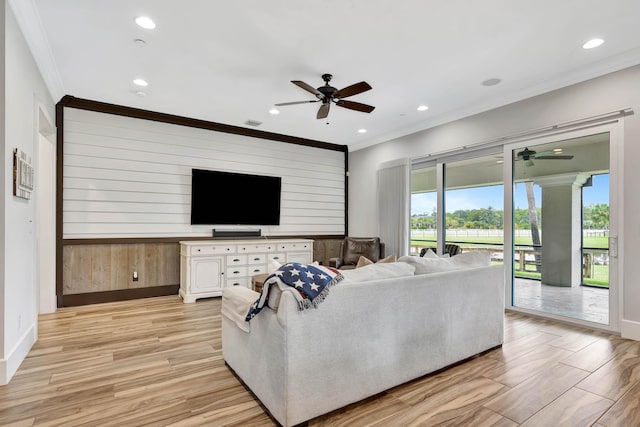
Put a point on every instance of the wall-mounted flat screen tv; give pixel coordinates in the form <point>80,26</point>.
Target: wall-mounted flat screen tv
<point>219,198</point>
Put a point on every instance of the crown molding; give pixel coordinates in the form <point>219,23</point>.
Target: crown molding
<point>29,22</point>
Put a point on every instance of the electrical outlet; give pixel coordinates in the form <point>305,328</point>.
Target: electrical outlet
<point>135,276</point>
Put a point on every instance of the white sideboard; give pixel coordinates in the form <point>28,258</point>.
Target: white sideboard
<point>207,266</point>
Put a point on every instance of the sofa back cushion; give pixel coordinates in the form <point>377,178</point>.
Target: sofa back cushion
<point>471,259</point>
<point>378,271</point>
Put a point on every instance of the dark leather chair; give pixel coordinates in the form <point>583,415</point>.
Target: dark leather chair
<point>352,248</point>
<point>449,248</point>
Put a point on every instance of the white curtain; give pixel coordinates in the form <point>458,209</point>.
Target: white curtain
<point>394,205</point>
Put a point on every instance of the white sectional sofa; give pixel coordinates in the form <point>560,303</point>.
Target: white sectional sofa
<point>369,335</point>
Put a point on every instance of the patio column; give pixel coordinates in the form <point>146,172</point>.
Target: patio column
<point>561,228</point>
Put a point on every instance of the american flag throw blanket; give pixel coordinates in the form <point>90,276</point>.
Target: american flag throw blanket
<point>309,283</point>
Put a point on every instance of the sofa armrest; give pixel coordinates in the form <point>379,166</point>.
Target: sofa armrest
<point>236,301</point>
<point>335,262</point>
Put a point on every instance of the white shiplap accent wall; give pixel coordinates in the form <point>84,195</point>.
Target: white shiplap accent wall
<point>128,177</point>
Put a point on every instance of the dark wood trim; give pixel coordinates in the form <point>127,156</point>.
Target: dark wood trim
<point>119,110</point>
<point>346,193</point>
<point>59,200</point>
<point>134,240</point>
<point>119,295</point>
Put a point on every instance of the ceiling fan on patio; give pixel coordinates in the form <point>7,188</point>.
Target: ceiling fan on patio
<point>528,155</point>
<point>328,94</point>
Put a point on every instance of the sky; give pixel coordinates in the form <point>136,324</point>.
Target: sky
<point>483,197</point>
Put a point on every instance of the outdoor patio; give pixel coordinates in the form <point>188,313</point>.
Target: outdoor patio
<point>582,302</point>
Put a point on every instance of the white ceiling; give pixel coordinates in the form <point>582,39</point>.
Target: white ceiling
<point>229,62</point>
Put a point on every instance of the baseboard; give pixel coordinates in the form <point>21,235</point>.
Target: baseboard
<point>10,365</point>
<point>118,295</point>
<point>630,329</point>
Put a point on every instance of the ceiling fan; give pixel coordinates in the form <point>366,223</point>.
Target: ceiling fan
<point>528,156</point>
<point>328,94</point>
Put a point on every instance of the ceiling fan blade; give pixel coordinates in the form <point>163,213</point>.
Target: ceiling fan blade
<point>355,106</point>
<point>323,111</point>
<point>295,102</point>
<point>352,90</point>
<point>554,157</point>
<point>308,88</point>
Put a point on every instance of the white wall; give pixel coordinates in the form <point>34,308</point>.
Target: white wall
<point>605,94</point>
<point>129,177</point>
<point>25,94</point>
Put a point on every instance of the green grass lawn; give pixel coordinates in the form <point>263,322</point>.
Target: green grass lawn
<point>600,273</point>
<point>588,242</point>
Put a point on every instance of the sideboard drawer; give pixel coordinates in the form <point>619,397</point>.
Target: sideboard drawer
<point>236,260</point>
<point>253,248</point>
<point>238,281</point>
<point>211,250</point>
<point>294,246</point>
<point>235,271</point>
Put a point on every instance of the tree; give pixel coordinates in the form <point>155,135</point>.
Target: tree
<point>600,216</point>
<point>533,220</point>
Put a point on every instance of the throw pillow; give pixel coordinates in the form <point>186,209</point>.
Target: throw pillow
<point>362,261</point>
<point>430,254</point>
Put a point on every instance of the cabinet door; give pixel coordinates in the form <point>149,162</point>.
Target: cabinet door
<point>206,274</point>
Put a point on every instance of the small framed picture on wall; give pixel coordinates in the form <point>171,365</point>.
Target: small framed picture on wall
<point>23,174</point>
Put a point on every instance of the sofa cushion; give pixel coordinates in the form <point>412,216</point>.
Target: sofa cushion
<point>378,271</point>
<point>471,259</point>
<point>362,261</point>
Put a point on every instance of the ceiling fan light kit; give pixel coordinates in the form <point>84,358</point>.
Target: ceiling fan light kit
<point>328,94</point>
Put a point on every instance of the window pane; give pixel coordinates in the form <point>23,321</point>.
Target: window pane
<point>474,200</point>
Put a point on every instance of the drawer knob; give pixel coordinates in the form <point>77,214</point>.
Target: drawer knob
<point>236,272</point>
<point>256,259</point>
<point>257,270</point>
<point>236,260</point>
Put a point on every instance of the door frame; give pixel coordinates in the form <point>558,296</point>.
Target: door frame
<point>615,128</point>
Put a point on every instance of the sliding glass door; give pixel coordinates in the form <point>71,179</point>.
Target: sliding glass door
<point>561,227</point>
<point>554,225</point>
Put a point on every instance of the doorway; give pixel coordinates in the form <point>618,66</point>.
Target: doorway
<point>46,216</point>
<point>561,228</point>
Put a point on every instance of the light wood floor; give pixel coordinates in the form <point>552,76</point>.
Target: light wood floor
<point>159,362</point>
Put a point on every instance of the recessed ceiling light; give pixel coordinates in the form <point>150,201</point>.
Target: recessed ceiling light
<point>557,150</point>
<point>592,43</point>
<point>499,162</point>
<point>145,22</point>
<point>491,82</point>
<point>423,108</point>
<point>274,111</point>
<point>139,42</point>
<point>140,82</point>
<point>362,131</point>
<point>141,94</point>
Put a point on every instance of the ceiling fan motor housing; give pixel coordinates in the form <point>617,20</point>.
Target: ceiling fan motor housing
<point>327,91</point>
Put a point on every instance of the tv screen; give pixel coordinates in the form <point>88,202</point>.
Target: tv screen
<point>234,198</point>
